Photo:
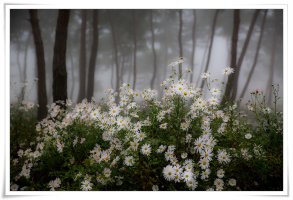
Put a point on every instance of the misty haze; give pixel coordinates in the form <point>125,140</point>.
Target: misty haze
<point>143,100</point>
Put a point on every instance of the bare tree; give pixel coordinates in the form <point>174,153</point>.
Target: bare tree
<point>94,50</point>
<point>72,74</point>
<point>272,62</point>
<point>154,50</point>
<point>134,48</point>
<point>42,91</point>
<point>193,45</point>
<point>242,54</point>
<point>180,42</point>
<point>115,50</point>
<point>229,86</point>
<point>59,57</point>
<point>255,56</point>
<point>24,72</point>
<point>82,57</point>
<point>211,44</point>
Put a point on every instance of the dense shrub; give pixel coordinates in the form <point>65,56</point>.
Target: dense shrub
<point>184,140</point>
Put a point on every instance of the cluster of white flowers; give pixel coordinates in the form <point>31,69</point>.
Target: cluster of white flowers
<point>128,135</point>
<point>54,184</point>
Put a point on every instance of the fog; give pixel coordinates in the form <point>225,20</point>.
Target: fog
<point>23,65</point>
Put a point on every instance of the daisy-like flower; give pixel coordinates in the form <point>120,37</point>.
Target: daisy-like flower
<point>155,188</point>
<point>219,183</point>
<point>107,172</point>
<point>161,149</point>
<point>134,145</point>
<point>207,153</point>
<point>114,111</point>
<point>205,174</point>
<point>86,185</point>
<point>267,110</point>
<point>54,184</point>
<point>213,101</point>
<point>204,163</point>
<point>205,75</point>
<point>223,156</point>
<point>198,145</point>
<point>215,91</point>
<point>178,170</point>
<point>146,149</point>
<point>60,145</point>
<point>163,126</point>
<point>187,176</point>
<point>245,154</point>
<point>192,184</point>
<point>184,126</point>
<point>248,136</point>
<point>95,114</point>
<point>220,173</point>
<point>228,70</point>
<point>232,182</point>
<point>14,187</point>
<point>188,138</point>
<point>184,155</point>
<point>140,136</point>
<point>129,161</point>
<point>169,173</point>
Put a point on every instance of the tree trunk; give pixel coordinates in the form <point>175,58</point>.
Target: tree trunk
<point>242,54</point>
<point>134,48</point>
<point>82,57</point>
<point>211,44</point>
<point>180,42</point>
<point>24,73</point>
<point>193,45</point>
<point>154,52</point>
<point>255,57</point>
<point>202,62</point>
<point>59,57</point>
<point>18,58</point>
<point>272,63</point>
<point>122,67</point>
<point>229,86</point>
<point>92,64</point>
<point>114,39</point>
<point>40,56</point>
<point>72,75</point>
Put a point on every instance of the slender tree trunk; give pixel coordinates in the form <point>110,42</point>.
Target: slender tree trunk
<point>129,71</point>
<point>114,39</point>
<point>59,57</point>
<point>272,64</point>
<point>24,73</point>
<point>202,62</point>
<point>154,52</point>
<point>211,44</point>
<point>112,72</point>
<point>242,54</point>
<point>134,48</point>
<point>18,58</point>
<point>92,64</point>
<point>180,41</point>
<point>255,57</point>
<point>193,46</point>
<point>82,57</point>
<point>72,75</point>
<point>229,86</point>
<point>42,92</point>
<point>122,67</point>
<point>166,42</point>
